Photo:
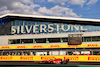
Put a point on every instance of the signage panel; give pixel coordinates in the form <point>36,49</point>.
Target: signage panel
<point>23,27</point>
<point>50,46</point>
<point>83,58</point>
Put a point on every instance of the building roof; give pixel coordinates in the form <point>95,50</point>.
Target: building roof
<point>53,19</point>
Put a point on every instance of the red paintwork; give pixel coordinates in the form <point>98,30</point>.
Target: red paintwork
<point>51,61</point>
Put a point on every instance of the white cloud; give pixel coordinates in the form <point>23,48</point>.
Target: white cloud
<point>28,7</point>
<point>17,6</point>
<point>25,1</point>
<point>92,2</point>
<point>62,2</point>
<point>3,10</point>
<point>58,11</point>
<point>74,2</point>
<point>71,2</point>
<point>39,0</point>
<point>77,2</point>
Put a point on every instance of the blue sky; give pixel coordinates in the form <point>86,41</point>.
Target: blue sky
<point>58,8</point>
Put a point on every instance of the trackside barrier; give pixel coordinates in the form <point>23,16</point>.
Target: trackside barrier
<point>89,58</point>
<point>50,46</point>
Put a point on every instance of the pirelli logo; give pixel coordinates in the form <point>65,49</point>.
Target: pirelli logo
<point>26,58</point>
<point>92,45</point>
<point>93,58</point>
<point>6,58</point>
<point>71,58</point>
<point>47,58</point>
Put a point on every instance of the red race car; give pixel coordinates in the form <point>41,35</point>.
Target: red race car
<point>54,61</point>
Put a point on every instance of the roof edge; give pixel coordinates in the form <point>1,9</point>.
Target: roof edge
<point>51,17</point>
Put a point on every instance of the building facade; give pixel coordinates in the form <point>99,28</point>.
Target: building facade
<point>37,30</point>
<point>45,37</point>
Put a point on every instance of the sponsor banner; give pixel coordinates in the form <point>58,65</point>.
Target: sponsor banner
<point>21,46</point>
<point>72,58</point>
<point>43,58</point>
<point>92,45</point>
<point>54,46</point>
<point>94,58</point>
<point>6,58</point>
<point>26,58</point>
<point>5,47</point>
<point>47,58</point>
<point>38,46</point>
<point>50,46</point>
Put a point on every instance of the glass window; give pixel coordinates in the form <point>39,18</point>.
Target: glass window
<point>87,39</point>
<point>40,40</point>
<point>15,41</point>
<point>95,38</point>
<point>72,40</point>
<point>26,40</point>
<point>51,40</point>
<point>21,23</point>
<point>73,27</point>
<point>65,39</point>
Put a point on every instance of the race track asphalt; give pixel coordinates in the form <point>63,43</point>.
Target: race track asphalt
<point>30,63</point>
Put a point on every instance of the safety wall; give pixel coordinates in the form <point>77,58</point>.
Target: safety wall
<point>43,58</point>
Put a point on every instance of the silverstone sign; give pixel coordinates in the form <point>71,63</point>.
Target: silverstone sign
<point>46,28</point>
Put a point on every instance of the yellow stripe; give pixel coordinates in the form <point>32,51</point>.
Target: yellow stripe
<point>88,58</point>
<point>50,46</point>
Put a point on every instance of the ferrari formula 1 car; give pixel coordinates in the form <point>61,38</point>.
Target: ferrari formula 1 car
<point>54,61</point>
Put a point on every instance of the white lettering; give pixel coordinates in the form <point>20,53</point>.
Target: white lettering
<point>28,30</point>
<point>22,29</point>
<point>41,28</point>
<point>18,29</point>
<point>49,26</point>
<point>76,27</point>
<point>13,30</point>
<point>57,27</point>
<point>66,29</point>
<point>34,28</point>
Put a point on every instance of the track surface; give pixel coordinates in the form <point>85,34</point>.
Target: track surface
<point>36,63</point>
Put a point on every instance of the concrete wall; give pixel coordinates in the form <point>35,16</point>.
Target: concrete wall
<point>4,39</point>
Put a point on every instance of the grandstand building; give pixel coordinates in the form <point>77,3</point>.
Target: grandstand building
<point>45,35</point>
